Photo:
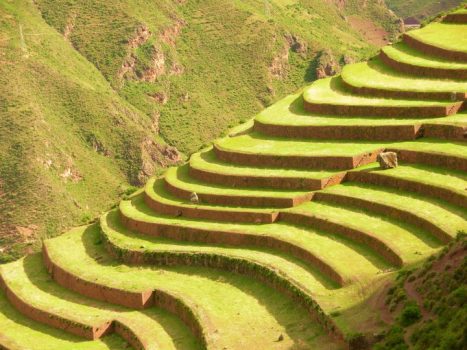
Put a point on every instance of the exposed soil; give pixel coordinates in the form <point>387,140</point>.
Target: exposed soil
<point>369,30</point>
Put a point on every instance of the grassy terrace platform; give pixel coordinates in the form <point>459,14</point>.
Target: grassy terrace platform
<point>448,148</point>
<point>375,75</point>
<point>160,200</point>
<point>329,247</point>
<point>329,96</point>
<point>443,35</point>
<point>179,178</point>
<point>313,280</point>
<point>401,52</point>
<point>455,181</point>
<point>220,296</point>
<point>449,218</point>
<point>24,333</point>
<point>261,145</point>
<point>290,112</point>
<point>205,165</point>
<point>411,243</point>
<point>29,280</point>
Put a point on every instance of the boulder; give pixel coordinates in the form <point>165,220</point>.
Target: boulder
<point>194,198</point>
<point>387,160</point>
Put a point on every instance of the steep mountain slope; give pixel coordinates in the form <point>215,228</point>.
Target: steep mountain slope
<point>187,60</point>
<point>69,145</point>
<point>279,234</point>
<point>421,9</point>
<point>91,90</point>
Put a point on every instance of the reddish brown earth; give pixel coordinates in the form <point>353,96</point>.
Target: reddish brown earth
<point>369,30</point>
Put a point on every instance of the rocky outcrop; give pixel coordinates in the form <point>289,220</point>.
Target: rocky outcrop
<point>327,65</point>
<point>153,156</point>
<point>170,34</point>
<point>280,63</point>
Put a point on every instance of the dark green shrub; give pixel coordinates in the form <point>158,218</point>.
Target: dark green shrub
<point>410,314</point>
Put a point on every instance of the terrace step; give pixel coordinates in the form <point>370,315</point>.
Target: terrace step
<point>399,243</point>
<point>180,184</point>
<point>290,112</point>
<point>284,273</point>
<point>405,59</point>
<point>329,97</point>
<point>374,78</point>
<point>440,39</point>
<point>255,150</point>
<point>433,182</point>
<point>28,288</point>
<point>24,333</point>
<point>160,200</point>
<point>205,166</point>
<point>287,118</point>
<point>220,297</point>
<point>454,132</point>
<point>167,252</point>
<point>459,16</point>
<point>438,218</point>
<point>342,132</point>
<point>437,153</point>
<point>321,250</point>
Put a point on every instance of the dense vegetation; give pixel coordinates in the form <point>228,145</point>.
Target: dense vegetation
<point>437,318</point>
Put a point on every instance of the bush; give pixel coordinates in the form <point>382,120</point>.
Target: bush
<point>410,314</point>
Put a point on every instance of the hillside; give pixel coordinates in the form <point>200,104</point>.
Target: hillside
<point>60,165</point>
<point>421,9</point>
<point>94,91</point>
<point>428,303</point>
<point>288,233</point>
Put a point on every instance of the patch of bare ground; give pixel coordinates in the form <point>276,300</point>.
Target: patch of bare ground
<point>369,30</point>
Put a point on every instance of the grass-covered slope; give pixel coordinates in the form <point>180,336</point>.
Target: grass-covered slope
<point>427,303</point>
<point>69,144</point>
<point>286,234</point>
<point>421,9</point>
<point>202,56</point>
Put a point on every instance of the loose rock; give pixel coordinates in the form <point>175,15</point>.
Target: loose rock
<point>387,160</point>
<point>194,198</point>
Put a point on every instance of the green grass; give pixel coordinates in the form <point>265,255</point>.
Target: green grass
<point>257,144</point>
<point>24,333</point>
<point>221,297</point>
<point>330,91</point>
<point>448,218</point>
<point>180,178</point>
<point>410,243</point>
<point>155,189</point>
<point>290,111</point>
<point>374,74</point>
<point>237,39</point>
<point>331,248</point>
<point>452,180</point>
<point>452,148</point>
<point>311,279</point>
<point>207,161</point>
<point>29,280</point>
<point>57,109</point>
<point>401,52</point>
<point>444,35</point>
